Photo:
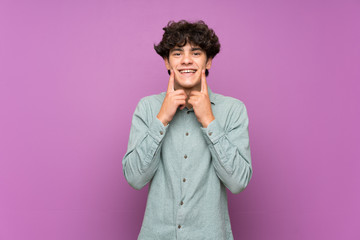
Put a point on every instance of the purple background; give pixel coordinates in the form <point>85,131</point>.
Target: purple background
<point>72,73</point>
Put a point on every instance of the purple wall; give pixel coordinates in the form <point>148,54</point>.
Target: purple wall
<point>72,72</point>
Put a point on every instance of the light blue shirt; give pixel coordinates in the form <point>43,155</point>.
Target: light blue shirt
<point>188,167</point>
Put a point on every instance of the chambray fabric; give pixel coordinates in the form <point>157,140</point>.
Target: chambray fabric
<point>188,167</point>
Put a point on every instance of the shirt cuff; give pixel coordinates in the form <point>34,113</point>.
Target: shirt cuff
<point>213,132</point>
<point>157,130</point>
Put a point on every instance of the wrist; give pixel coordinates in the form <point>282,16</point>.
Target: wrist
<point>206,122</point>
<point>162,119</point>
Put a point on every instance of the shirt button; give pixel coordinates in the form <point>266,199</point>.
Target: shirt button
<point>181,203</point>
<point>210,133</point>
<point>161,132</point>
<point>185,156</point>
<point>187,134</point>
<point>184,179</point>
<point>179,226</point>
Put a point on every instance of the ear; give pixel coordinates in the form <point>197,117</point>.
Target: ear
<point>208,63</point>
<point>167,64</point>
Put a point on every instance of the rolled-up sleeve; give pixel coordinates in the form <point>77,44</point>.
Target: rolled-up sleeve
<point>142,157</point>
<point>230,149</point>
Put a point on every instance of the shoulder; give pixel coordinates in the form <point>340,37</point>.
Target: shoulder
<point>231,111</point>
<point>152,100</point>
<point>149,106</point>
<point>229,103</point>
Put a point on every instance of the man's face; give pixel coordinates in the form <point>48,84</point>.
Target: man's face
<point>187,63</point>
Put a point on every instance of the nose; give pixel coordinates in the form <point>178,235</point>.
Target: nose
<point>186,59</point>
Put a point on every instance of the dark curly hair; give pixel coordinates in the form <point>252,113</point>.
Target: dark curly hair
<point>197,33</point>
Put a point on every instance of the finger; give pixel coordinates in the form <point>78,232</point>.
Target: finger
<point>171,82</point>
<point>180,101</point>
<point>180,92</point>
<point>194,93</point>
<point>204,88</point>
<point>192,100</point>
<point>181,97</point>
<point>181,104</point>
<point>191,104</point>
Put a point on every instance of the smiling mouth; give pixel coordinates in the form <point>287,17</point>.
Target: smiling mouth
<point>187,71</point>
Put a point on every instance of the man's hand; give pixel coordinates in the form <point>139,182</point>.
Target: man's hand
<point>172,101</point>
<point>201,103</point>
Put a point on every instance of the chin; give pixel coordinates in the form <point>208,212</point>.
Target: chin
<point>187,86</point>
<point>188,83</point>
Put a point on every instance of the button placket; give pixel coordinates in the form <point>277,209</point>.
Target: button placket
<point>186,149</point>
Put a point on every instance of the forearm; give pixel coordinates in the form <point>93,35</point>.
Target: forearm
<point>143,156</point>
<point>231,158</point>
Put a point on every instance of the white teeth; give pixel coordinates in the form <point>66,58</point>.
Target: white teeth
<point>187,71</point>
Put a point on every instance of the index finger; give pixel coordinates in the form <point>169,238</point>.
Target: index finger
<point>171,82</point>
<point>204,88</point>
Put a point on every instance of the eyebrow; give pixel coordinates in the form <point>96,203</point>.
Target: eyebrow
<point>182,49</point>
<point>176,49</point>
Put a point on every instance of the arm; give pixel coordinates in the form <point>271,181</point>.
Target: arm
<point>142,157</point>
<point>146,136</point>
<point>230,149</point>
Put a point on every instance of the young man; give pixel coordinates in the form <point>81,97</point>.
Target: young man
<point>189,143</point>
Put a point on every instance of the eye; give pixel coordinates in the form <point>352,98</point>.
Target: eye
<point>176,54</point>
<point>197,53</point>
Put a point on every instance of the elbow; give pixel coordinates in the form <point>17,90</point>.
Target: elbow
<point>132,175</point>
<point>240,185</point>
<point>135,182</point>
<point>136,186</point>
<point>238,188</point>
